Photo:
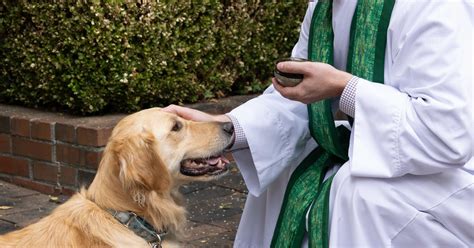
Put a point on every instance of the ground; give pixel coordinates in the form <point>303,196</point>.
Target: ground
<point>214,209</point>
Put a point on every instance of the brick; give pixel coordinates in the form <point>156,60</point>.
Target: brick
<point>68,176</point>
<point>78,156</point>
<point>14,166</point>
<point>84,178</point>
<point>41,130</point>
<point>4,124</point>
<point>93,136</point>
<point>65,133</point>
<point>20,126</point>
<point>68,191</point>
<point>68,154</point>
<point>5,141</point>
<point>41,187</point>
<point>92,159</point>
<point>32,149</point>
<point>6,178</point>
<point>45,172</point>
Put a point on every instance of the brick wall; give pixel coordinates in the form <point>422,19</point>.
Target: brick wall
<point>50,152</point>
<point>57,154</point>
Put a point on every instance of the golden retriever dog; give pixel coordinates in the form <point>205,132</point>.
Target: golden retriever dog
<point>148,156</point>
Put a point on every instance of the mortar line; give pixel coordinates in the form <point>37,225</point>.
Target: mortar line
<point>9,221</point>
<point>55,159</point>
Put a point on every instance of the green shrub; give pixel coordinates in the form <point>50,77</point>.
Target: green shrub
<point>90,57</point>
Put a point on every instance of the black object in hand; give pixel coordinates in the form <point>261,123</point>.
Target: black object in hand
<point>285,78</point>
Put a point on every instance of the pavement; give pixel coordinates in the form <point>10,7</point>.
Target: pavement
<point>214,208</point>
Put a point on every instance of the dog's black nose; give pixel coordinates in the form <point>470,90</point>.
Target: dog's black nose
<point>228,127</point>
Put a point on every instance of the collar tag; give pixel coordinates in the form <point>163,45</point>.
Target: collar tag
<point>139,226</point>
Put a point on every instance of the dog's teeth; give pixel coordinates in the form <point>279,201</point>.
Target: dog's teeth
<point>213,161</point>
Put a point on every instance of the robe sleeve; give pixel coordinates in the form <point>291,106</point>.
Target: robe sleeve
<point>276,130</point>
<point>277,135</point>
<point>419,122</point>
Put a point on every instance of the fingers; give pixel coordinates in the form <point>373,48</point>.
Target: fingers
<point>288,92</point>
<point>193,114</point>
<point>175,109</point>
<point>170,109</point>
<point>186,113</point>
<point>294,67</point>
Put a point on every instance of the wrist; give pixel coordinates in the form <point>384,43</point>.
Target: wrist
<point>340,81</point>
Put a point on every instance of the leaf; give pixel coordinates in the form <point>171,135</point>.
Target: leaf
<point>5,207</point>
<point>211,51</point>
<point>225,206</point>
<point>54,199</point>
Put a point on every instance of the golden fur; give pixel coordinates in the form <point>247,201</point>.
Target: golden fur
<point>139,172</point>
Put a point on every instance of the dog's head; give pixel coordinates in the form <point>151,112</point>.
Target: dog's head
<point>156,150</point>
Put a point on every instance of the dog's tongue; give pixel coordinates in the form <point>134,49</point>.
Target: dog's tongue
<point>220,161</point>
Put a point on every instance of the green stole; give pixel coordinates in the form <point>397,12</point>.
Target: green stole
<point>306,189</point>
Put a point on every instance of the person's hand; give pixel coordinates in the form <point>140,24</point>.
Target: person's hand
<point>321,81</point>
<point>195,115</point>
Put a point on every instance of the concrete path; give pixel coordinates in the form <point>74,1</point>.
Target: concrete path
<point>214,209</point>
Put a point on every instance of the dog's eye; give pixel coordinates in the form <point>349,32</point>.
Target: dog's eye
<point>177,126</point>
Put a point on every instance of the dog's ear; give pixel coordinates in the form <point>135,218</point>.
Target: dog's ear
<point>141,168</point>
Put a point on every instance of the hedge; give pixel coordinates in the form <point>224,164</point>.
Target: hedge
<point>94,57</point>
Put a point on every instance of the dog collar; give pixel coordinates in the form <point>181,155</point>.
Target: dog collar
<point>139,226</point>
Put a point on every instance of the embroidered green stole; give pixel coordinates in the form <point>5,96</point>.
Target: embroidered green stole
<point>306,190</point>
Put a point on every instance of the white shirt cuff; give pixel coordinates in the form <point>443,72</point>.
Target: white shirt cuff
<point>240,141</point>
<point>347,101</point>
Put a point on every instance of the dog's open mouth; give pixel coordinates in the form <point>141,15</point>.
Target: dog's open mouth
<point>212,166</point>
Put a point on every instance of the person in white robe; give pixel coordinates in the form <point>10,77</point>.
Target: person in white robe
<point>409,181</point>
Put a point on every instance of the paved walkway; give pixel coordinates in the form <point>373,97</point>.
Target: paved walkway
<point>214,209</point>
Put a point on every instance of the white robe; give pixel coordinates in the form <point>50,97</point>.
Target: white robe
<point>409,181</point>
